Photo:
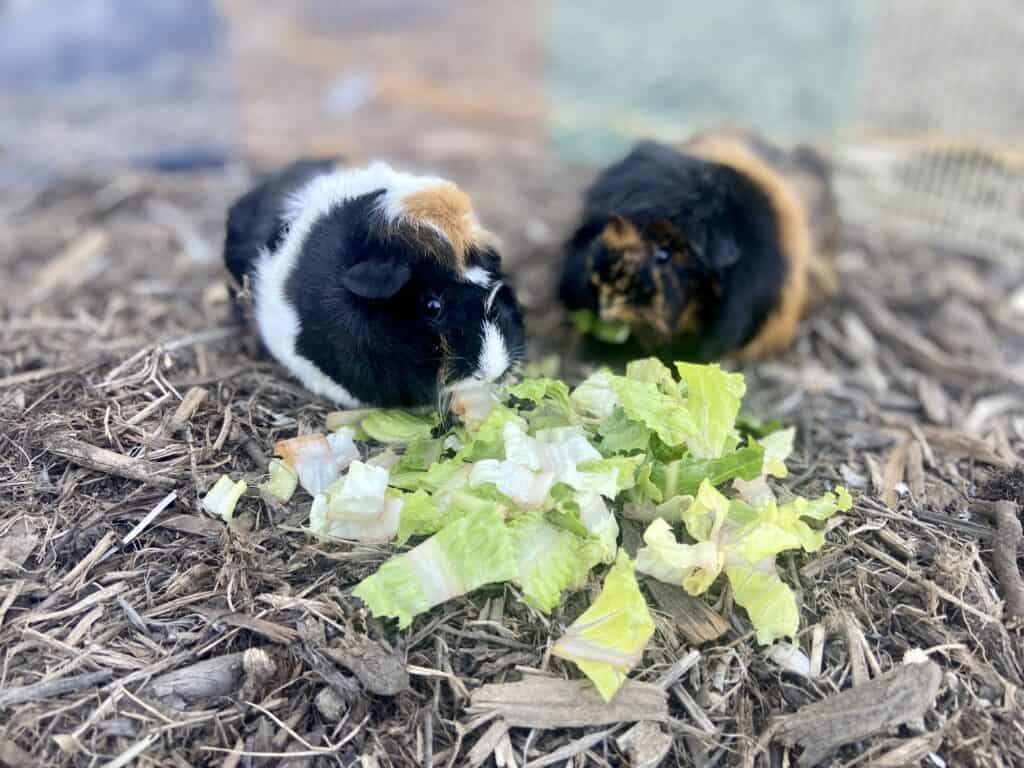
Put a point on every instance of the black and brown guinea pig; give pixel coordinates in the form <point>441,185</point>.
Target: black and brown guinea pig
<point>710,250</point>
<point>372,286</point>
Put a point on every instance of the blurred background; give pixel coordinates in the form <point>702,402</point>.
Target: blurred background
<point>184,84</point>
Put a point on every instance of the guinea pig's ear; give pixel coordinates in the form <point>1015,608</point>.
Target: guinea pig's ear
<point>377,278</point>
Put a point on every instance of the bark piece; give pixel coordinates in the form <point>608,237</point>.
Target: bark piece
<point>541,702</point>
<point>902,695</point>
<point>697,622</point>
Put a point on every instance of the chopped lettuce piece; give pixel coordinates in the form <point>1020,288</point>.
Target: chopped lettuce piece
<point>474,403</point>
<point>653,370</point>
<point>536,390</point>
<point>601,524</point>
<point>312,459</point>
<point>361,493</point>
<point>713,401</point>
<point>777,448</point>
<point>221,499</point>
<point>744,541</point>
<point>667,560</point>
<point>516,481</point>
<point>594,398</point>
<point>608,477</point>
<point>383,527</point>
<point>418,456</point>
<point>609,639</point>
<point>664,415</point>
<point>488,441</point>
<point>608,331</point>
<point>343,447</point>
<point>282,483</point>
<point>532,465</point>
<point>549,559</point>
<point>684,476</point>
<point>393,427</point>
<point>468,553</point>
<point>767,599</point>
<point>620,434</point>
<point>420,517</point>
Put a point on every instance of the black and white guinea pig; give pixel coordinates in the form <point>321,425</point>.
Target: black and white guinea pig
<point>373,286</point>
<point>713,249</point>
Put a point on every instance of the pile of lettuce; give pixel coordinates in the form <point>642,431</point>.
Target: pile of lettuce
<point>529,488</point>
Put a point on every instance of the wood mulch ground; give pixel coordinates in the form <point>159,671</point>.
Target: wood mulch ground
<point>136,630</point>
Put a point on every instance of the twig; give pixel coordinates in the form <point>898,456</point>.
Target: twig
<point>53,688</point>
<point>1004,558</point>
<point>108,462</point>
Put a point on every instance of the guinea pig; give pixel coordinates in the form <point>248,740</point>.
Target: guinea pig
<point>708,250</point>
<point>373,287</point>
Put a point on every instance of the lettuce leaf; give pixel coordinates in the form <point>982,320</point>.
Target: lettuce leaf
<point>594,398</point>
<point>620,434</point>
<point>312,459</point>
<point>713,401</point>
<point>608,331</point>
<point>684,476</point>
<point>394,427</point>
<point>222,497</point>
<point>644,402</point>
<point>744,541</point>
<point>609,639</point>
<point>549,559</point>
<point>282,482</point>
<point>468,553</point>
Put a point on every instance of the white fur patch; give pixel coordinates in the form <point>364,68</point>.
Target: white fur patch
<point>279,325</point>
<point>494,359</point>
<point>478,276</point>
<point>490,296</point>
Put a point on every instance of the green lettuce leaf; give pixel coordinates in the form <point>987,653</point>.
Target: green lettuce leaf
<point>610,332</point>
<point>609,639</point>
<point>777,448</point>
<point>221,499</point>
<point>744,541</point>
<point>620,434</point>
<point>594,398</point>
<point>644,402</point>
<point>393,427</point>
<point>653,370</point>
<point>465,554</point>
<point>550,560</point>
<point>712,401</point>
<point>684,476</point>
<point>695,566</point>
<point>282,482</point>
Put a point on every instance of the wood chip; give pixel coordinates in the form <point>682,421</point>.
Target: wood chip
<point>545,703</point>
<point>109,462</point>
<point>1004,558</point>
<point>646,744</point>
<point>219,676</point>
<point>962,445</point>
<point>186,408</point>
<point>380,669</point>
<point>693,617</point>
<point>902,695</point>
<point>486,744</point>
<point>895,465</point>
<point>52,688</point>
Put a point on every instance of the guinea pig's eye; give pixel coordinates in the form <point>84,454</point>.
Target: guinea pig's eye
<point>661,255</point>
<point>432,307</point>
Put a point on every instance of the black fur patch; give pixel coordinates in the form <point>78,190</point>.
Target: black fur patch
<point>736,271</point>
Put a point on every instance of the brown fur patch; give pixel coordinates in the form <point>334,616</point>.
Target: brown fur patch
<point>449,210</point>
<point>620,235</point>
<point>780,327</point>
